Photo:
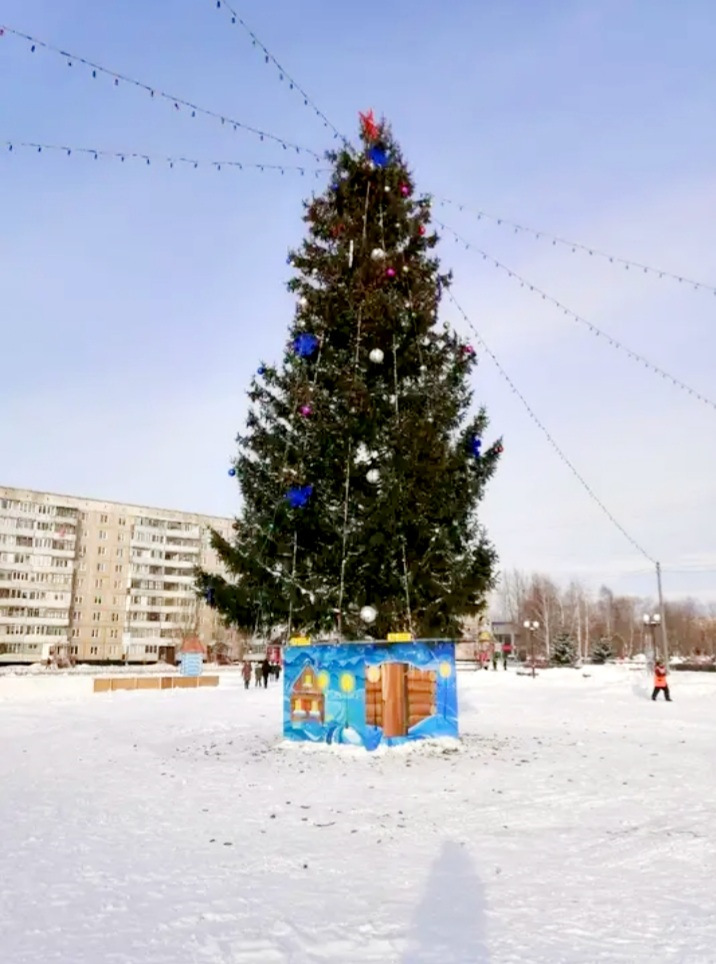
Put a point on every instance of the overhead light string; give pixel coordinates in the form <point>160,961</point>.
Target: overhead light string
<point>179,103</point>
<point>597,332</point>
<point>175,160</point>
<point>479,214</point>
<point>577,246</point>
<point>283,74</point>
<point>580,478</point>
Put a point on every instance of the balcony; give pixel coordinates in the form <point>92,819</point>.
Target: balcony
<point>188,547</point>
<point>62,619</point>
<point>27,641</point>
<point>184,612</point>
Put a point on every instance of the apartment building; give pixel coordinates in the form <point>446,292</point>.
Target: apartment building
<point>101,580</point>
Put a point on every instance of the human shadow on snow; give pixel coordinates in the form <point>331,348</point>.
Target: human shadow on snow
<point>449,925</point>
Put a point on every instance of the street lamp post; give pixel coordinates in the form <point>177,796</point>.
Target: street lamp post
<point>531,625</point>
<point>651,621</point>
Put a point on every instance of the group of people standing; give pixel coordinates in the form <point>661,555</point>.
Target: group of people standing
<point>261,671</point>
<point>496,655</point>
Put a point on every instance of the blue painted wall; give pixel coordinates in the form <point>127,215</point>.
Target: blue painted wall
<point>334,709</point>
<point>192,664</point>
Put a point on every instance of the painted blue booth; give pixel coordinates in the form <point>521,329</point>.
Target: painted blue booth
<point>370,693</point>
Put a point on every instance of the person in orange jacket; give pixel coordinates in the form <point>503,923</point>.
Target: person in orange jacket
<point>661,684</point>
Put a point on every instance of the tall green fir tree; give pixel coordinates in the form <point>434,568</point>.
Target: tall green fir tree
<point>362,464</point>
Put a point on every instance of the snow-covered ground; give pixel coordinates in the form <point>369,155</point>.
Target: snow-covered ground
<point>573,824</point>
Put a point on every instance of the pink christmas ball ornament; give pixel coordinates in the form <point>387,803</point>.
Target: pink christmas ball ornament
<point>390,272</point>
<point>405,190</point>
<point>306,410</point>
<point>468,350</point>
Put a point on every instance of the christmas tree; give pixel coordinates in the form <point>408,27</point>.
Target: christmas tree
<point>564,650</point>
<point>602,651</point>
<point>361,466</point>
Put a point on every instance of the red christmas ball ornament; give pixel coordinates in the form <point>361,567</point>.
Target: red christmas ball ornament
<point>468,350</point>
<point>422,229</point>
<point>499,449</point>
<point>390,272</point>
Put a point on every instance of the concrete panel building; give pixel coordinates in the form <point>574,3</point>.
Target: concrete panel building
<point>101,581</point>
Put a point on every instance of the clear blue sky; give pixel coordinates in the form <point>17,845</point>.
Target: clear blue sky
<point>137,300</point>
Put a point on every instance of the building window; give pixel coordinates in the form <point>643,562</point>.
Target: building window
<point>118,568</point>
<point>113,635</point>
<point>120,553</point>
<point>123,522</point>
<point>102,551</point>
<point>94,650</point>
<point>96,617</point>
<point>83,566</point>
<point>102,534</point>
<point>78,600</point>
<point>98,584</point>
<point>103,519</point>
<point>101,567</point>
<point>115,617</point>
<point>95,634</point>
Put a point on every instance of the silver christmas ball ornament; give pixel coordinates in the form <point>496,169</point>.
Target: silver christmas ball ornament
<point>376,356</point>
<point>373,476</point>
<point>368,614</point>
<point>377,254</point>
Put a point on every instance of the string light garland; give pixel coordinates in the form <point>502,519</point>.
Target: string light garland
<point>283,74</point>
<point>580,478</point>
<point>597,332</point>
<point>154,92</point>
<point>577,246</point>
<point>461,206</point>
<point>170,160</point>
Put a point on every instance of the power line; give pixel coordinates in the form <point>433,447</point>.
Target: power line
<point>597,332</point>
<point>593,496</point>
<point>178,102</point>
<point>283,74</point>
<point>577,246</point>
<point>171,160</point>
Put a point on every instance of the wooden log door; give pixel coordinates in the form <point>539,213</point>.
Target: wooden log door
<point>398,696</point>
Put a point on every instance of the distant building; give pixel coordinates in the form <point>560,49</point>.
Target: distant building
<point>101,581</point>
<point>506,633</point>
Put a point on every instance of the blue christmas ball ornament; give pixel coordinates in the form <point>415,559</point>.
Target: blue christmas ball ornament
<point>261,370</point>
<point>475,446</point>
<point>298,496</point>
<point>378,156</point>
<point>232,471</point>
<point>305,345</point>
<point>335,186</point>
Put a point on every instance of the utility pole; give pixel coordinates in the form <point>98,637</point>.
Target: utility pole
<point>662,613</point>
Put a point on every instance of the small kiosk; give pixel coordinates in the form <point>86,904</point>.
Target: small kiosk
<point>191,657</point>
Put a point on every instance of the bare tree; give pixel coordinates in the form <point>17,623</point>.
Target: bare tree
<point>543,604</point>
<point>513,589</point>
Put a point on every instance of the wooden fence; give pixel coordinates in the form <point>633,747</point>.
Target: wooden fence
<point>114,683</point>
